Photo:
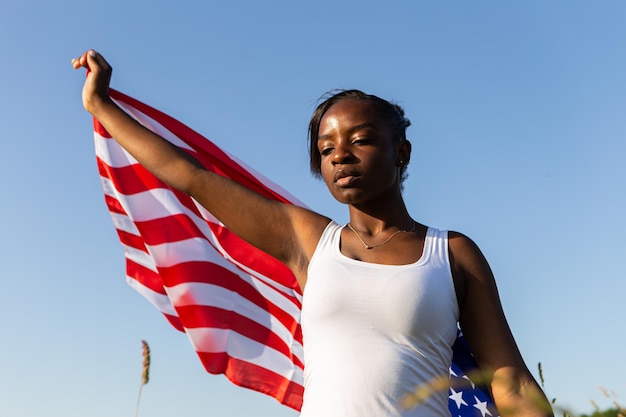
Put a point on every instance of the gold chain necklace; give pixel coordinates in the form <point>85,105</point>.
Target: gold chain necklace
<point>380,244</point>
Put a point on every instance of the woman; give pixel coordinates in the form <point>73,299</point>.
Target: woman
<point>382,295</point>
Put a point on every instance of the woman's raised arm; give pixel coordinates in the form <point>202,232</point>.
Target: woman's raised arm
<point>287,232</point>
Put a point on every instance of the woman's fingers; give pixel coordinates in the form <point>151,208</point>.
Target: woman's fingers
<point>81,61</point>
<point>76,63</point>
<point>87,59</point>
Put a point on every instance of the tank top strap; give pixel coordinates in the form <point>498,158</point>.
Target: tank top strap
<point>436,247</point>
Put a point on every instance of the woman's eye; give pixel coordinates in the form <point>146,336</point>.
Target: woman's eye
<point>326,151</point>
<point>360,141</point>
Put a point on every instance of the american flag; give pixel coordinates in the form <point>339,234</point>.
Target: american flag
<point>239,306</point>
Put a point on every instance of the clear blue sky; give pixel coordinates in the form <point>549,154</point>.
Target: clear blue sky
<point>519,138</point>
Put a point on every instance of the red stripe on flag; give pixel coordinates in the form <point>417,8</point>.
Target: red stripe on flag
<point>210,273</point>
<point>100,130</point>
<point>259,261</point>
<point>145,277</point>
<point>114,205</point>
<point>169,229</point>
<point>175,322</point>
<point>198,316</point>
<point>248,375</point>
<point>130,179</point>
<point>130,240</point>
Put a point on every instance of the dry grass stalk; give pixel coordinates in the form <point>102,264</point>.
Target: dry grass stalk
<point>145,374</point>
<point>422,393</point>
<point>543,382</point>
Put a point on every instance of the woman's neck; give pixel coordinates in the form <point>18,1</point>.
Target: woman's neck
<point>376,219</point>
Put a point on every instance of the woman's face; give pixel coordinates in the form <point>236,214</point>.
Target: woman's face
<point>360,158</point>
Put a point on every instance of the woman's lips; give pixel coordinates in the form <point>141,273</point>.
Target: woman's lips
<point>345,177</point>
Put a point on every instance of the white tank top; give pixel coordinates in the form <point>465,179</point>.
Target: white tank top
<point>372,333</point>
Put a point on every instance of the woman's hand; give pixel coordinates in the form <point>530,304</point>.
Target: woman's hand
<point>96,88</point>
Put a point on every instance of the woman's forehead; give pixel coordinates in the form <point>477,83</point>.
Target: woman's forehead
<point>349,111</point>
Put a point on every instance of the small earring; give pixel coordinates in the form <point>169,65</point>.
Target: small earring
<point>401,162</point>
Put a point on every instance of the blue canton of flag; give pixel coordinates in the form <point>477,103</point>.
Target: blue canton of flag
<point>466,398</point>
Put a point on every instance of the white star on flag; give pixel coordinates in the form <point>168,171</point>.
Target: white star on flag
<point>457,397</point>
<point>481,406</point>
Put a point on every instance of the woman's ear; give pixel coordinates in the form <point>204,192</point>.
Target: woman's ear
<point>404,152</point>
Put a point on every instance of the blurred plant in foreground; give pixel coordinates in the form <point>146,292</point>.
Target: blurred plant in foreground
<point>618,411</point>
<point>478,377</point>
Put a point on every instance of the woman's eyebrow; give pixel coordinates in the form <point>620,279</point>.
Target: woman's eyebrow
<point>351,130</point>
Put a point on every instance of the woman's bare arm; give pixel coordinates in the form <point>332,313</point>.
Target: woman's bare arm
<point>287,232</point>
<point>515,391</point>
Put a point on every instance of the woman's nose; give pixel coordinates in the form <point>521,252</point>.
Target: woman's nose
<point>342,154</point>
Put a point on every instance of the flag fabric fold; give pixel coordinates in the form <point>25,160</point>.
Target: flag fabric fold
<point>239,306</point>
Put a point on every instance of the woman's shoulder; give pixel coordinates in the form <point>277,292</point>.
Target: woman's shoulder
<point>463,250</point>
<point>461,245</point>
<point>467,260</point>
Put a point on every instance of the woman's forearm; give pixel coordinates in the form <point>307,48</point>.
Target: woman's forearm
<point>166,161</point>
